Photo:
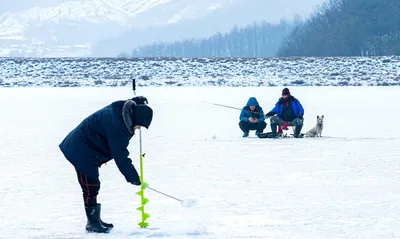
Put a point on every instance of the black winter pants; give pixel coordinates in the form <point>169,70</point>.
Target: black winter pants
<point>246,127</point>
<point>90,188</point>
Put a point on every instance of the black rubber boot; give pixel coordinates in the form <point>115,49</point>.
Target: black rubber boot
<point>108,225</point>
<point>93,220</point>
<point>297,131</point>
<point>274,128</point>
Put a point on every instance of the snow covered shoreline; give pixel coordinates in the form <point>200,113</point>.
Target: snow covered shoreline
<point>112,72</point>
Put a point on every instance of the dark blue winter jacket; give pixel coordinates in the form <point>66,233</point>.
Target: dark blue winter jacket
<point>246,113</point>
<point>296,106</point>
<point>99,138</point>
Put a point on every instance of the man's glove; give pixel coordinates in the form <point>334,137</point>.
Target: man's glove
<point>135,179</point>
<point>269,114</point>
<point>140,100</point>
<point>300,116</point>
<point>137,183</point>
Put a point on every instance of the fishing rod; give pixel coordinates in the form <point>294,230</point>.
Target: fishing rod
<point>231,107</point>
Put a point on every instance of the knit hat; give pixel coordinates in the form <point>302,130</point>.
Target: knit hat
<point>285,91</point>
<point>143,115</point>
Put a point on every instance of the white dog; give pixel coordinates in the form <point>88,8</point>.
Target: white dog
<point>317,129</point>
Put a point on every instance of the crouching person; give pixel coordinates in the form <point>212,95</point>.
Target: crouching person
<point>289,111</point>
<point>101,137</point>
<point>252,118</point>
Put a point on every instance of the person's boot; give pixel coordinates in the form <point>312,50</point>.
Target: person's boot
<point>93,220</point>
<point>274,128</point>
<point>297,131</point>
<point>244,129</point>
<point>108,225</point>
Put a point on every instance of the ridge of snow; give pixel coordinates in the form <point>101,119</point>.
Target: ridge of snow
<point>298,71</point>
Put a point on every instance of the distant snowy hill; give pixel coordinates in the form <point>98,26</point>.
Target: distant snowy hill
<point>105,27</point>
<point>308,71</point>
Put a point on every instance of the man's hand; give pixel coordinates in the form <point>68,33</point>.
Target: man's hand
<point>253,120</point>
<point>137,183</point>
<point>267,115</point>
<point>136,179</point>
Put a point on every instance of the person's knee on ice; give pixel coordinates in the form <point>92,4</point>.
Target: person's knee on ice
<point>252,117</point>
<point>99,138</point>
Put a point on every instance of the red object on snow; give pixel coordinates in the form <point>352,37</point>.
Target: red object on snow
<point>285,125</point>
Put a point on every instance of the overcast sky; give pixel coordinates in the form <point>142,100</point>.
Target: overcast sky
<point>18,5</point>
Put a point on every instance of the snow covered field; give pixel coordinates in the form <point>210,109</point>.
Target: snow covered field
<point>293,71</point>
<point>343,185</point>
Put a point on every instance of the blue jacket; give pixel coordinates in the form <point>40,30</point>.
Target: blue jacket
<point>246,113</point>
<point>99,138</point>
<point>296,106</point>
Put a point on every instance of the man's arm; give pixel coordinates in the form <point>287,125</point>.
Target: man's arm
<point>119,151</point>
<point>261,117</point>
<point>243,116</point>
<point>301,109</point>
<point>273,111</point>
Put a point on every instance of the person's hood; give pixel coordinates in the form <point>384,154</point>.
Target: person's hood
<point>252,101</point>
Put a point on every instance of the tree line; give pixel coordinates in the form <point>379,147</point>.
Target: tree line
<point>335,28</point>
<point>347,28</point>
<point>254,40</point>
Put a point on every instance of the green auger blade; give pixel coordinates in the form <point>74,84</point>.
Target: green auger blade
<point>140,193</point>
<point>145,216</point>
<point>145,201</point>
<point>141,208</point>
<point>143,224</point>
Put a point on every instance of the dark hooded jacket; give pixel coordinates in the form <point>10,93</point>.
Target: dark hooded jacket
<point>246,113</point>
<point>105,135</point>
